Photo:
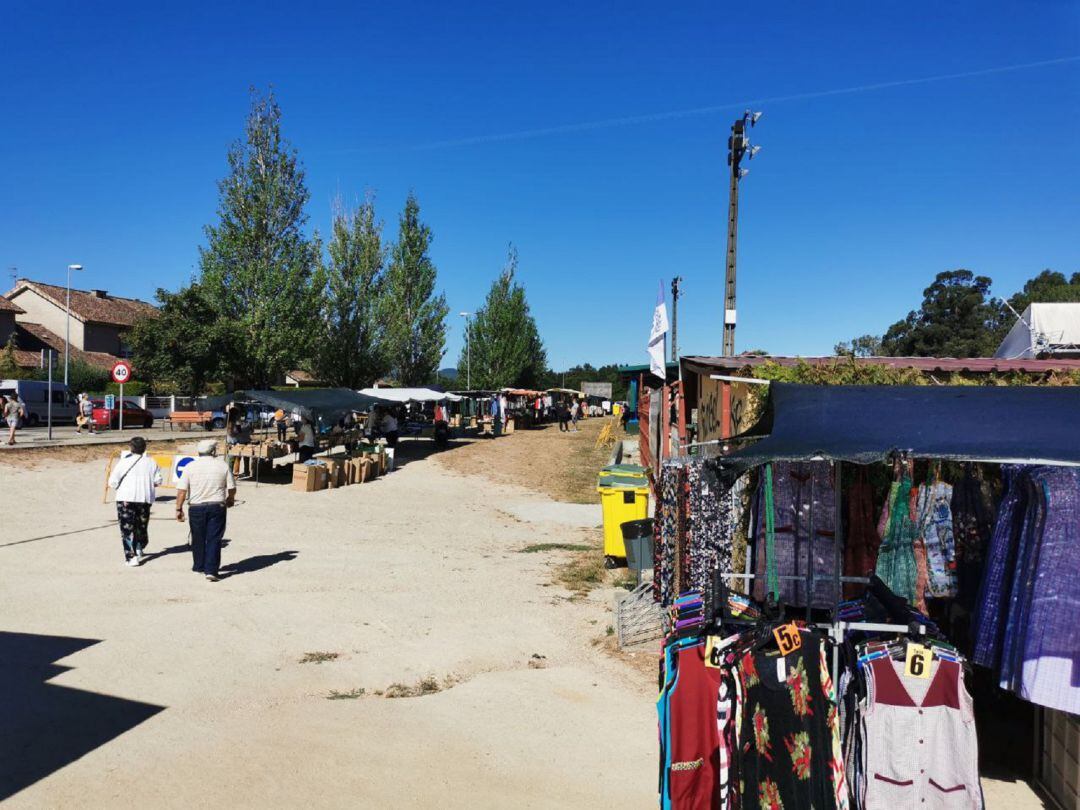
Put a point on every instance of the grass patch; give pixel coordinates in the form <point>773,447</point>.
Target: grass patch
<point>427,685</point>
<point>583,573</point>
<point>352,694</point>
<point>319,657</point>
<point>627,580</point>
<point>535,547</point>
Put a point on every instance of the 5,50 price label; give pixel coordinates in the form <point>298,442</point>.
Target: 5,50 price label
<point>787,638</point>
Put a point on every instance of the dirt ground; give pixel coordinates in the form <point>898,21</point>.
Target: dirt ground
<point>382,645</point>
<point>561,465</point>
<point>412,642</point>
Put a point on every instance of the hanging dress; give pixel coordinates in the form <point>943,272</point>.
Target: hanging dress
<point>934,510</point>
<point>789,736</point>
<point>896,564</point>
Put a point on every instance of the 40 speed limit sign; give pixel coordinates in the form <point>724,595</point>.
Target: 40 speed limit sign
<point>121,372</point>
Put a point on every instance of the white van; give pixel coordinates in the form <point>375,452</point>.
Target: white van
<point>34,395</point>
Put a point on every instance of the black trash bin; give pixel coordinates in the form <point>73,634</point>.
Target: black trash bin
<point>638,539</point>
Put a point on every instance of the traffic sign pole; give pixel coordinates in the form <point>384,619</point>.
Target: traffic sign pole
<point>121,373</point>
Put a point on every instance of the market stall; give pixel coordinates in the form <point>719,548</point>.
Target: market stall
<point>898,535</point>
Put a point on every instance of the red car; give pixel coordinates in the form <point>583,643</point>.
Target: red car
<point>134,415</point>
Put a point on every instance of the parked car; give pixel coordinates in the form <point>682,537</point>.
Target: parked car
<point>134,415</point>
<point>35,398</point>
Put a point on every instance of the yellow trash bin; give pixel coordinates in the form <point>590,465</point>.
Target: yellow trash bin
<point>622,498</point>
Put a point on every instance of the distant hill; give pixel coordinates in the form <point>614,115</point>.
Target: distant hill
<point>448,373</point>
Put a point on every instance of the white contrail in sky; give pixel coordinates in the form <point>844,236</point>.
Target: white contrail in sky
<point>694,111</point>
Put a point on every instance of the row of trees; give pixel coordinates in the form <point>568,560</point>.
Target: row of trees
<point>268,299</point>
<point>959,317</point>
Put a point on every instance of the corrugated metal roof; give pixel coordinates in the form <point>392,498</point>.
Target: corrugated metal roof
<point>974,365</point>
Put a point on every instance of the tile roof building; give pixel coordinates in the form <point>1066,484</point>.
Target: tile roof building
<point>99,322</point>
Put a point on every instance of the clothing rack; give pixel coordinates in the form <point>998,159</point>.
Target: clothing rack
<point>836,629</point>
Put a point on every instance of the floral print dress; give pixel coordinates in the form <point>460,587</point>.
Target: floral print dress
<point>789,737</point>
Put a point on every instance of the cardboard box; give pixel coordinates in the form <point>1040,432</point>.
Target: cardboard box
<point>335,468</point>
<point>307,478</point>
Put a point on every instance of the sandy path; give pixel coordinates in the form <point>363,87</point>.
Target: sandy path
<point>413,576</point>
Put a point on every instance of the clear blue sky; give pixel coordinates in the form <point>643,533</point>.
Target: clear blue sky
<point>115,119</point>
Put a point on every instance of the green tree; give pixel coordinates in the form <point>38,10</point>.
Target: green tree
<point>188,345</point>
<point>862,346</point>
<point>85,378</point>
<point>351,350</point>
<point>1049,287</point>
<point>958,318</point>
<point>258,268</point>
<point>504,343</point>
<point>413,315</point>
<point>9,366</point>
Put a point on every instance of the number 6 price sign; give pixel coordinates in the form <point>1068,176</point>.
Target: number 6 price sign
<point>917,664</point>
<point>121,373</point>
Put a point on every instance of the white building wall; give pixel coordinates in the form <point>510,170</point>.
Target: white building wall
<point>41,310</point>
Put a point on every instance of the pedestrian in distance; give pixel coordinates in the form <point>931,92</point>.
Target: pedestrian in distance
<point>85,416</point>
<point>575,413</point>
<point>135,478</point>
<point>209,489</point>
<point>13,412</point>
<point>281,423</point>
<point>564,417</point>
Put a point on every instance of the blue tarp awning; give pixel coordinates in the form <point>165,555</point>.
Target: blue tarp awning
<point>868,423</point>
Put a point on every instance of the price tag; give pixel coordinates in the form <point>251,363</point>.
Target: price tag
<point>713,651</point>
<point>787,638</point>
<point>918,661</point>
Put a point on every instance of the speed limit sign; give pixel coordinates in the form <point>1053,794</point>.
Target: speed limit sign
<point>121,372</point>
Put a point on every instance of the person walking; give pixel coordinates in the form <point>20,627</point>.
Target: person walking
<point>13,412</point>
<point>281,423</point>
<point>208,487</point>
<point>135,478</point>
<point>575,412</point>
<point>564,417</point>
<point>85,417</point>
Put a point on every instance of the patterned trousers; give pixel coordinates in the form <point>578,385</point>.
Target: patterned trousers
<point>134,519</point>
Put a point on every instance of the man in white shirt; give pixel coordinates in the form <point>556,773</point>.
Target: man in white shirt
<point>134,478</point>
<point>209,489</point>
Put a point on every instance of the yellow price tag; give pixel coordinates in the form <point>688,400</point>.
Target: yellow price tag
<point>917,664</point>
<point>713,652</point>
<point>787,638</point>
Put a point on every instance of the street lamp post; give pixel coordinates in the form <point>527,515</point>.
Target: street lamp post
<point>67,323</point>
<point>468,349</point>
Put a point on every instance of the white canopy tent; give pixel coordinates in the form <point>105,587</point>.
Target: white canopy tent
<point>403,395</point>
<point>1043,331</point>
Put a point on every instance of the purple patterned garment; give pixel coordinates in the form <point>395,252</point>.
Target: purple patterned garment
<point>1042,646</point>
<point>797,485</point>
<point>1000,563</point>
<point>1031,591</point>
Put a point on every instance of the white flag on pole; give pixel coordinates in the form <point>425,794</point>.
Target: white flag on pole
<point>657,342</point>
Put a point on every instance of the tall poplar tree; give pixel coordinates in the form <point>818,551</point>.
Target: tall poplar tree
<point>504,346</point>
<point>414,316</point>
<point>351,351</point>
<point>258,267</point>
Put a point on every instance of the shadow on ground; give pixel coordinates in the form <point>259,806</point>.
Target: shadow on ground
<point>46,727</point>
<point>257,563</point>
